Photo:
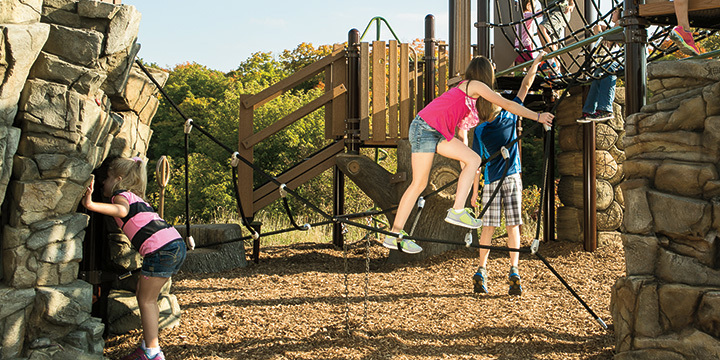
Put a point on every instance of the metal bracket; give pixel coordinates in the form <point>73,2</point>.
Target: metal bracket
<point>399,177</point>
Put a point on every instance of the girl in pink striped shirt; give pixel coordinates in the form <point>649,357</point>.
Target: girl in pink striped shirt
<point>161,246</point>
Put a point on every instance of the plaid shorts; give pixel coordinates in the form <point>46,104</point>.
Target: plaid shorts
<point>509,196</point>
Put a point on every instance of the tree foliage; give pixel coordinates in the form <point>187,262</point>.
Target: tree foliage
<point>211,99</point>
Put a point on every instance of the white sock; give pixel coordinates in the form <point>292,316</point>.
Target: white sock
<point>152,352</point>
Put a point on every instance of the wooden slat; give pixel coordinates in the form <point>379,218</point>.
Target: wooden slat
<point>294,183</point>
<point>405,115</point>
<point>667,7</point>
<point>419,102</point>
<point>364,90</point>
<point>392,89</point>
<point>335,111</point>
<point>299,169</point>
<point>442,70</point>
<point>294,116</point>
<point>291,81</point>
<point>379,105</point>
<point>245,172</point>
<point>339,109</point>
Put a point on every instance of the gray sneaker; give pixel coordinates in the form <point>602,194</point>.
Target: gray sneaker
<point>405,245</point>
<point>462,218</point>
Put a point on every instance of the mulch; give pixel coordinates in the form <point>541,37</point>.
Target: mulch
<point>293,305</point>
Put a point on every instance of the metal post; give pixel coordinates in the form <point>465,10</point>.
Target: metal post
<point>483,29</point>
<point>635,56</point>
<point>589,185</point>
<point>352,124</point>
<point>430,58</point>
<point>256,225</point>
<point>459,36</point>
<point>548,207</point>
<point>338,205</point>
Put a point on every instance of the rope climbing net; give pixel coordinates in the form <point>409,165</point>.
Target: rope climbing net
<point>597,58</point>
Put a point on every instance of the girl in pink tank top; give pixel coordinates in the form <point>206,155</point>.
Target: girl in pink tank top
<point>441,127</point>
<point>161,246</point>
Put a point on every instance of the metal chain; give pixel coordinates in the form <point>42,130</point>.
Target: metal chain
<point>347,291</point>
<point>367,276</point>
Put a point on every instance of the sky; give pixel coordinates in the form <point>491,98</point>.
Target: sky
<point>220,34</point>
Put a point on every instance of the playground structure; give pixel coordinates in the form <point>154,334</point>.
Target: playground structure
<point>361,112</point>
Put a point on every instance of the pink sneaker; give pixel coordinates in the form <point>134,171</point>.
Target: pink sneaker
<point>139,354</point>
<point>684,41</point>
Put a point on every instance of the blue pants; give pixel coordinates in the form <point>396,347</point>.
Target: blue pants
<point>602,91</point>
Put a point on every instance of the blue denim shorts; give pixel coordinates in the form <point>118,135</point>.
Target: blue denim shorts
<point>423,138</point>
<point>166,261</point>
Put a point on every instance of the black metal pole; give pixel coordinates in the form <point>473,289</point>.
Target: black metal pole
<point>589,188</point>
<point>483,30</point>
<point>338,205</point>
<point>635,56</point>
<point>352,124</point>
<point>430,58</point>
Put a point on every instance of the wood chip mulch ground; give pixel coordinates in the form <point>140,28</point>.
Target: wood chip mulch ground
<point>293,306</point>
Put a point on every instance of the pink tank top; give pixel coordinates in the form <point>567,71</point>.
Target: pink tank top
<point>143,226</point>
<point>452,110</point>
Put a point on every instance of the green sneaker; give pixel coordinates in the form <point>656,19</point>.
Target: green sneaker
<point>463,218</point>
<point>407,246</point>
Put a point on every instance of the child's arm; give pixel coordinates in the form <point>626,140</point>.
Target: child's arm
<point>475,189</point>
<point>530,77</point>
<point>120,208</point>
<point>477,88</point>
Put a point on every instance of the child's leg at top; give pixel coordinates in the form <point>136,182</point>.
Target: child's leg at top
<point>606,93</point>
<point>681,35</point>
<point>681,13</point>
<point>148,290</point>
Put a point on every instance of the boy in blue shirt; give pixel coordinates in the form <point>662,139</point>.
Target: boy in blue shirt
<point>490,137</point>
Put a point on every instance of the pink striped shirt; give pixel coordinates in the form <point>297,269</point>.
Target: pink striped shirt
<point>143,226</point>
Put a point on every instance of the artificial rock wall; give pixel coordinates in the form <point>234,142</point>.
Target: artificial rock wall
<point>69,98</point>
<point>609,158</point>
<point>668,304</point>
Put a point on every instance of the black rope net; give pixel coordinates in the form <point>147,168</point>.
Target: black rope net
<point>594,60</point>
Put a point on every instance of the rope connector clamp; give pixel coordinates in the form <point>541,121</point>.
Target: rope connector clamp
<point>421,202</point>
<point>534,246</point>
<point>281,189</point>
<point>306,227</point>
<point>235,159</point>
<point>468,239</point>
<point>188,126</point>
<point>255,235</point>
<point>505,153</point>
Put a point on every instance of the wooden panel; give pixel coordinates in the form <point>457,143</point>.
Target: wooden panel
<point>364,89</point>
<point>339,108</point>
<point>245,172</point>
<point>291,81</point>
<point>294,116</point>
<point>336,110</point>
<point>442,70</point>
<point>392,89</point>
<point>420,86</point>
<point>299,169</point>
<point>379,104</point>
<point>667,7</point>
<point>405,115</point>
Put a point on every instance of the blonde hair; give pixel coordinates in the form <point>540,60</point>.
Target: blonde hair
<point>133,175</point>
<point>481,69</point>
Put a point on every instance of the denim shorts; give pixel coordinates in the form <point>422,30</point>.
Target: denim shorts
<point>423,138</point>
<point>166,261</point>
